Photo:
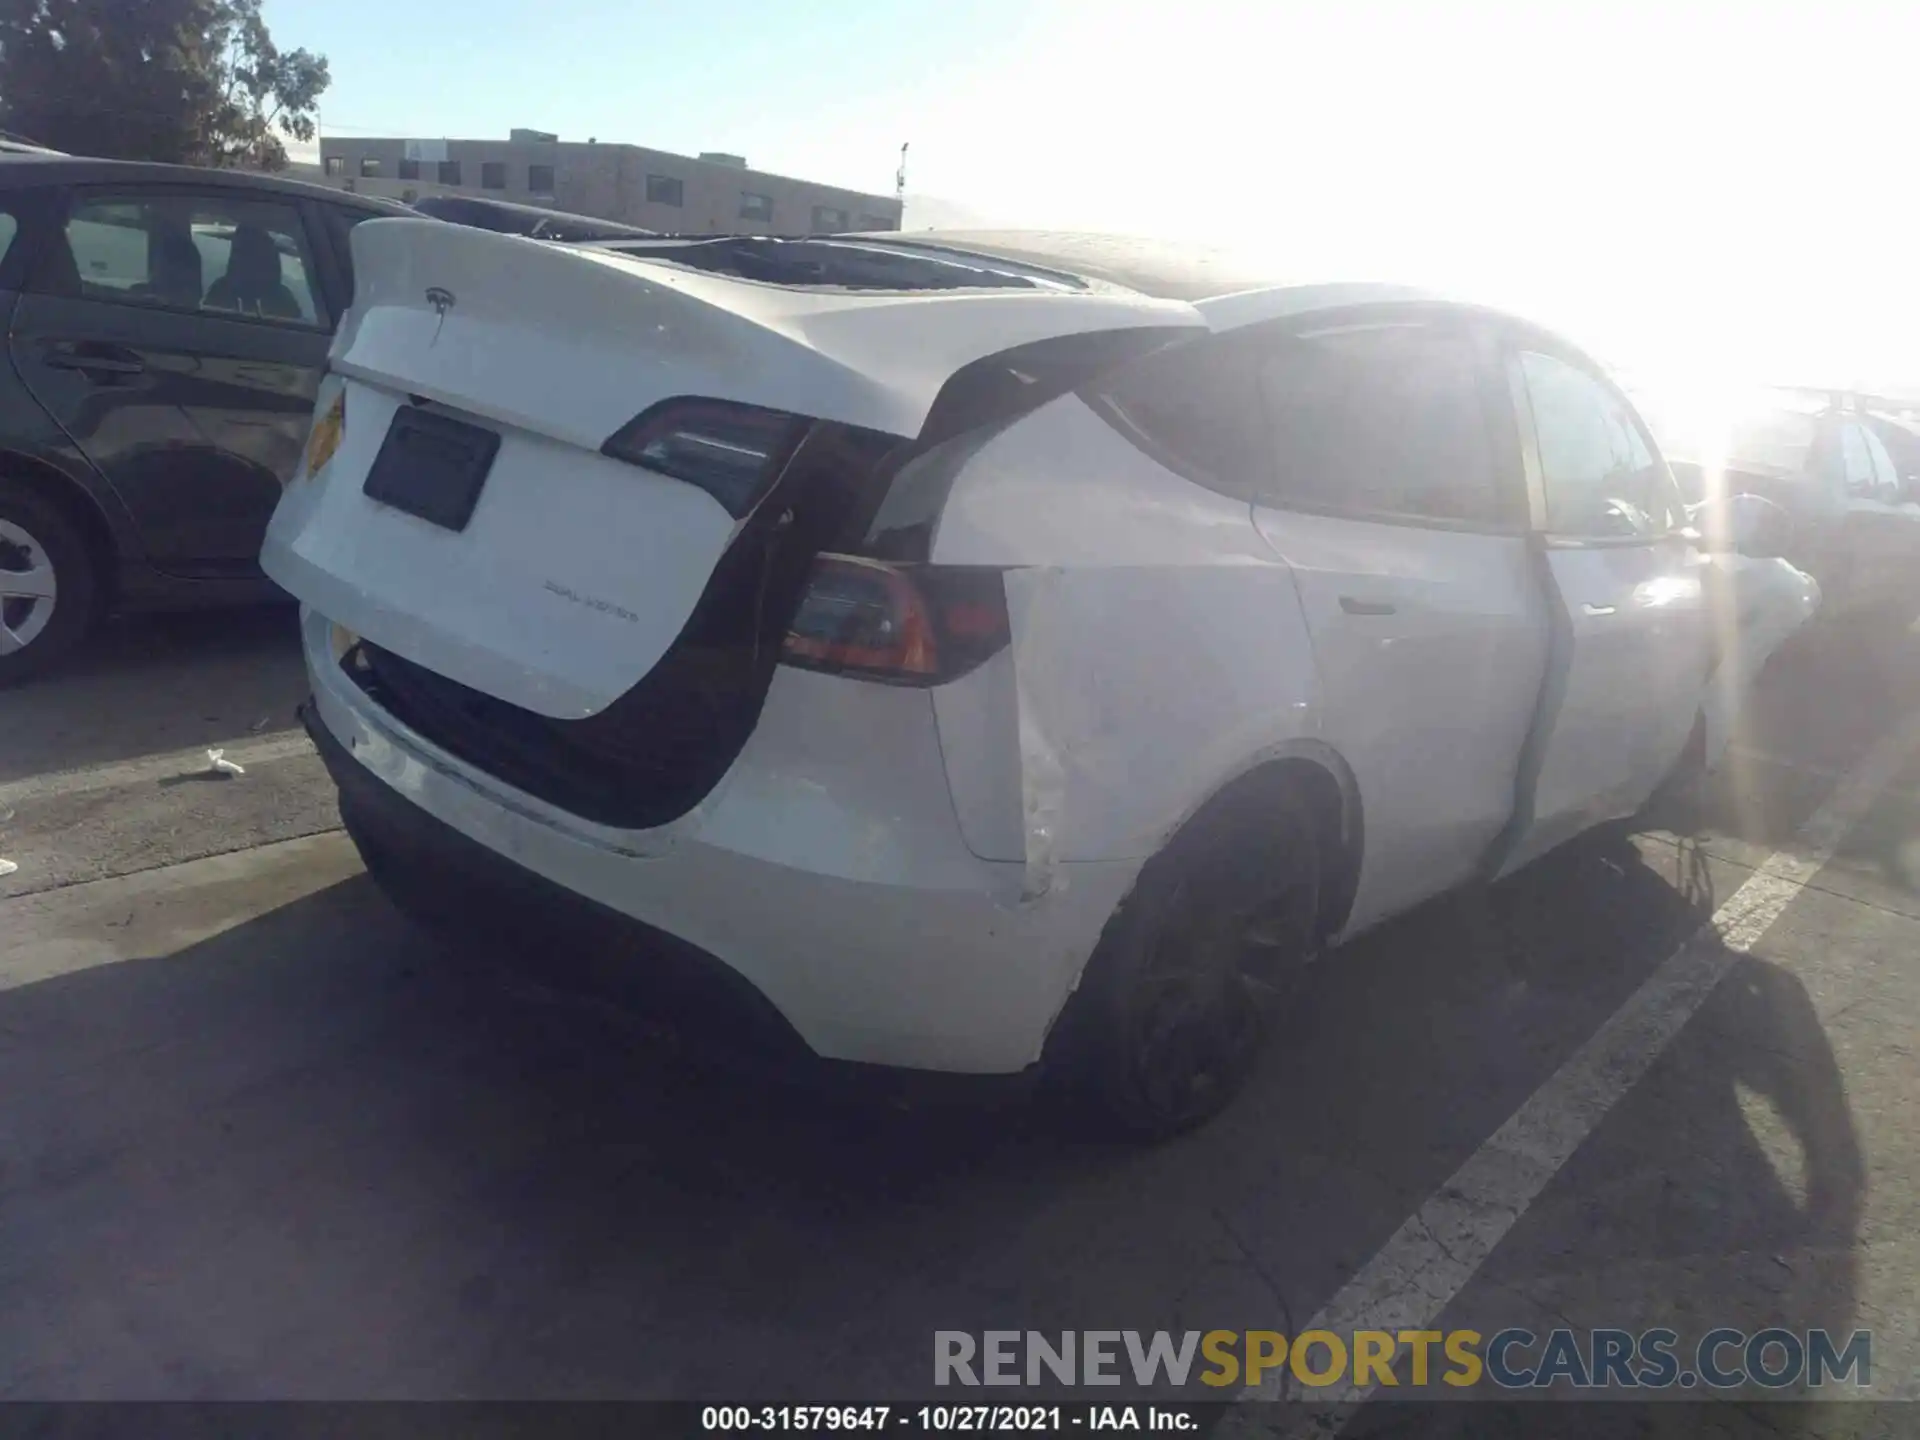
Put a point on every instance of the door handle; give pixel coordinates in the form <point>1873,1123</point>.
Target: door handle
<point>1592,609</point>
<point>1355,606</point>
<point>106,360</point>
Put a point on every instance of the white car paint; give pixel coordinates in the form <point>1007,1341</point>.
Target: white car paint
<point>917,876</point>
<point>1624,705</point>
<point>825,870</point>
<point>1448,617</point>
<point>612,335</point>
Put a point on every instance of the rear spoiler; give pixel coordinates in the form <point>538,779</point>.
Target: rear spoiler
<point>536,223</point>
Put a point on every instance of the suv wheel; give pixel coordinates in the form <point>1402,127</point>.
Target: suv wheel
<point>48,584</point>
<point>1185,984</point>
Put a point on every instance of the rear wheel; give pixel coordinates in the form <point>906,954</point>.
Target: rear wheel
<point>1184,987</point>
<point>48,584</point>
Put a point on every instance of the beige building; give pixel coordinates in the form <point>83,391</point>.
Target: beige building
<point>629,183</point>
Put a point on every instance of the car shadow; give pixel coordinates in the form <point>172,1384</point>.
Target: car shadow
<point>319,1155</point>
<point>148,684</point>
<point>1726,1189</point>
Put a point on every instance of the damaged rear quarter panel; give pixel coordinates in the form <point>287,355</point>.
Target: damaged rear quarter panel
<point>1158,648</point>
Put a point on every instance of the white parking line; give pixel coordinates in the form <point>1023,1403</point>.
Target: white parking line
<point>1411,1279</point>
<point>1738,753</point>
<point>147,769</point>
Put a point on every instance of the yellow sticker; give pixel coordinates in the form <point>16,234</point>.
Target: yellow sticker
<point>328,431</point>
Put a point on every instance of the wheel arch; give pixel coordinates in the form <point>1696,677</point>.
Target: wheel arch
<point>78,504</point>
<point>1316,771</point>
<point>1074,1054</point>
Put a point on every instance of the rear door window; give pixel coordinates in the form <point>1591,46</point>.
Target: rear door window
<point>1377,421</point>
<point>209,253</point>
<point>1382,422</point>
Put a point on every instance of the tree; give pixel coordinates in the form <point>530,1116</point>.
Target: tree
<point>126,78</point>
<point>261,88</point>
<point>186,81</point>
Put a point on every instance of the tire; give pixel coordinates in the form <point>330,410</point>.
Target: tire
<point>1180,995</point>
<point>38,540</point>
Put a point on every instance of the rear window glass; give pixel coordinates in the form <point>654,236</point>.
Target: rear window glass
<point>1195,408</point>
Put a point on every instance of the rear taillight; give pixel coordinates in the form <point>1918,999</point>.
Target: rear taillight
<point>731,451</point>
<point>907,624</point>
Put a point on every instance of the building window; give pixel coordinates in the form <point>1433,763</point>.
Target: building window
<point>335,166</point>
<point>878,222</point>
<point>540,179</point>
<point>827,219</point>
<point>493,175</point>
<point>449,172</point>
<point>755,207</point>
<point>409,169</point>
<point>665,190</point>
<point>369,167</point>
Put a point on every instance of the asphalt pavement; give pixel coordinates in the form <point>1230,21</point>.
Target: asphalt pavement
<point>261,1138</point>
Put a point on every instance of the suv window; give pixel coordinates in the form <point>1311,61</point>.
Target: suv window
<point>1886,479</point>
<point>1601,477</point>
<point>1857,461</point>
<point>1196,409</point>
<point>189,252</point>
<point>340,222</point>
<point>1382,421</point>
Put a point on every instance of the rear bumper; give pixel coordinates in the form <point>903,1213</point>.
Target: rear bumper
<point>453,883</point>
<point>826,874</point>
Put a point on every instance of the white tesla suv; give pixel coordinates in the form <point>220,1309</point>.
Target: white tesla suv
<point>982,651</point>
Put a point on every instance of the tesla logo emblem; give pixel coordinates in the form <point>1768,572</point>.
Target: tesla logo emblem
<point>442,302</point>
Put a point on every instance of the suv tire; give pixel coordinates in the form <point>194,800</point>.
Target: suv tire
<point>1182,991</point>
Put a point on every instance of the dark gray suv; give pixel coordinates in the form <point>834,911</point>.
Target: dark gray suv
<point>166,329</point>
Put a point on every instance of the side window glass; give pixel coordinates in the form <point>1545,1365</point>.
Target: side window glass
<point>1886,481</point>
<point>340,223</point>
<point>1858,460</point>
<point>1600,477</point>
<point>1826,460</point>
<point>189,252</point>
<point>1383,421</point>
<point>1194,408</point>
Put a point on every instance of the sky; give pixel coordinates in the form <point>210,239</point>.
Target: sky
<point>1704,196</point>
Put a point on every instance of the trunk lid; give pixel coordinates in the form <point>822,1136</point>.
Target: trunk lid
<point>575,572</point>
